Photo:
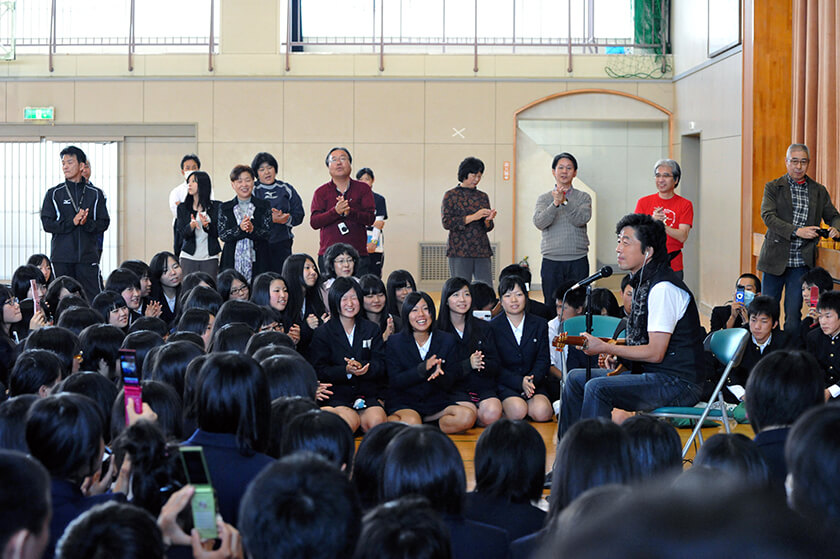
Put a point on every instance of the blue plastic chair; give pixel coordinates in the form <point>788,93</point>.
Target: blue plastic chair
<point>602,326</point>
<point>728,347</point>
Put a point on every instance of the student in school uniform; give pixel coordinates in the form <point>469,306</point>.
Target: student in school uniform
<point>824,342</point>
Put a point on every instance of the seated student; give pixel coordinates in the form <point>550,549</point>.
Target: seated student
<point>112,306</point>
<point>477,353</point>
<point>484,298</point>
<point>113,530</point>
<point>270,291</point>
<point>306,496</point>
<point>737,455</point>
<point>13,414</point>
<point>301,273</point>
<point>781,387</point>
<point>323,433</point>
<point>127,284</point>
<point>347,351</point>
<point>823,342</point>
<point>400,284</point>
<point>543,310</point>
<point>626,296</point>
<point>166,274</point>
<point>367,464</point>
<point>522,342</point>
<point>604,303</point>
<point>374,305</point>
<point>655,445</point>
<point>36,371</point>
<point>765,337</point>
<point>733,314</point>
<point>141,270</point>
<point>24,515</point>
<point>404,527</point>
<point>60,341</point>
<point>100,346</point>
<point>420,389</point>
<point>821,279</point>
<point>573,357</point>
<point>232,285</point>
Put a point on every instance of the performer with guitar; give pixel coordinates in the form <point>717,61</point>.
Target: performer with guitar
<point>664,351</point>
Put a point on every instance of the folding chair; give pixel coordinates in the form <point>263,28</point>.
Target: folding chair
<point>728,347</point>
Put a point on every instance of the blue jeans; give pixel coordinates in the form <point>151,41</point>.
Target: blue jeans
<point>791,282</point>
<point>597,398</point>
<point>555,272</point>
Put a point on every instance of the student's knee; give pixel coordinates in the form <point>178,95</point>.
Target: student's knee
<point>515,408</point>
<point>540,412</point>
<point>489,412</point>
<point>372,417</point>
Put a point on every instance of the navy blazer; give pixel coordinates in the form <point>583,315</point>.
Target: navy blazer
<point>472,539</point>
<point>518,361</point>
<point>328,349</point>
<point>477,337</point>
<point>407,374</point>
<point>68,503</point>
<point>182,223</point>
<point>517,519</point>
<point>230,470</point>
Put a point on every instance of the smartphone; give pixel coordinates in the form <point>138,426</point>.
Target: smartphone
<point>203,502</point>
<point>739,294</point>
<point>131,381</point>
<point>815,296</point>
<point>36,301</point>
<point>483,315</point>
<point>342,228</point>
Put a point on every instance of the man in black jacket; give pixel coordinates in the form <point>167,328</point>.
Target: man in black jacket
<point>75,213</point>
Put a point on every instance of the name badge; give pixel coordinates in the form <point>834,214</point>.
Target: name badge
<point>366,344</point>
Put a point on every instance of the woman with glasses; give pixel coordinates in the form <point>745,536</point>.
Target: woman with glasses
<point>11,315</point>
<point>232,285</point>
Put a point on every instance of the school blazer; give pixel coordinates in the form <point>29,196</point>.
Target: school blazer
<point>517,360</point>
<point>407,372</point>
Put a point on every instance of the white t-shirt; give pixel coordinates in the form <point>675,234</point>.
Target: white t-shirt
<point>557,356</point>
<point>667,304</point>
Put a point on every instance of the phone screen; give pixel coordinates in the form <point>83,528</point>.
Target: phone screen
<point>739,293</point>
<point>203,502</point>
<point>128,366</point>
<point>815,296</point>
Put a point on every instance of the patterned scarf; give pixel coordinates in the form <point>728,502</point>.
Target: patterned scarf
<point>637,332</point>
<point>244,254</point>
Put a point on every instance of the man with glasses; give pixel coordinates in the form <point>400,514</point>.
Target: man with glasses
<point>674,211</point>
<point>792,208</point>
<point>342,209</point>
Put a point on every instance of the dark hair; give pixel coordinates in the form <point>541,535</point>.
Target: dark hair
<point>237,171</point>
<point>339,288</point>
<point>191,379</point>
<point>323,433</point>
<point>452,285</point>
<point>261,289</point>
<point>267,339</point>
<point>189,337</point>
<point>483,295</point>
<point>107,301</point>
<point>510,461</point>
<point>305,496</point>
<point>575,298</point>
<point>101,341</point>
<point>33,369</point>
<point>60,341</point>
<point>121,279</point>
<point>367,466</point>
<point>5,295</point>
<point>21,278</point>
<point>157,267</point>
<point>189,157</point>
<point>194,320</point>
<point>603,299</point>
<point>38,259</point>
<point>405,527</point>
<point>67,303</point>
<point>13,426</point>
<point>283,410</point>
<point>195,279</point>
<point>781,387</point>
<point>53,294</point>
<point>372,285</point>
<point>201,297</point>
<point>329,153</point>
<point>74,152</point>
<point>650,233</point>
<point>112,530</point>
<point>24,495</point>
<point>334,251</point>
<point>263,157</point>
<point>523,272</point>
<point>151,324</point>
<point>77,319</point>
<point>234,310</point>
<point>468,166</point>
<point>97,388</point>
<point>410,302</point>
<point>564,155</point>
<point>829,301</point>
<point>163,400</point>
<point>364,171</point>
<point>290,375</point>
<point>170,364</point>
<point>625,281</point>
<point>231,337</point>
<point>819,277</point>
<point>396,280</point>
<point>205,187</point>
<point>298,290</point>
<point>273,350</point>
<point>140,268</point>
<point>224,281</point>
<point>593,452</point>
<point>233,398</point>
<point>509,283</point>
<point>763,304</point>
<point>421,460</point>
<point>753,277</point>
<point>736,455</point>
<point>64,432</point>
<point>142,342</point>
<point>655,444</point>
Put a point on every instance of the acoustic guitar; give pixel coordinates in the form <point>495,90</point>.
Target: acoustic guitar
<point>563,339</point>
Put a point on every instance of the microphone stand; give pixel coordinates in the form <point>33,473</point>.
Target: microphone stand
<point>588,314</point>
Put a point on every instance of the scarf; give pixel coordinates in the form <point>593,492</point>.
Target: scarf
<point>244,254</point>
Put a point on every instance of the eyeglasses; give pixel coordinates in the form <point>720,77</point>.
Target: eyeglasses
<point>343,261</point>
<point>664,175</point>
<point>12,301</point>
<point>343,159</point>
<point>239,290</point>
<point>798,162</point>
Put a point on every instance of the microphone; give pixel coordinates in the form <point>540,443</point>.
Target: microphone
<point>604,272</point>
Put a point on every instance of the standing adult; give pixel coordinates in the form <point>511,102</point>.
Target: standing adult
<point>674,211</point>
<point>792,208</point>
<point>189,164</point>
<point>342,209</point>
<point>561,215</point>
<point>286,209</point>
<point>198,227</point>
<point>75,213</point>
<point>467,215</point>
<point>244,226</point>
<point>376,237</point>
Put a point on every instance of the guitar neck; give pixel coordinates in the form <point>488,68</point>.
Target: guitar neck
<point>562,340</point>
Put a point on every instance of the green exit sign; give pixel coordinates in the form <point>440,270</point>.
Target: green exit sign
<point>39,113</point>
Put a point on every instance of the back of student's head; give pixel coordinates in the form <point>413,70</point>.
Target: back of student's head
<point>290,375</point>
<point>592,452</point>
<point>421,460</point>
<point>323,433</point>
<point>64,432</point>
<point>112,530</point>
<point>575,298</point>
<point>820,278</point>
<point>403,528</point>
<point>142,343</point>
<point>367,465</point>
<point>484,297</point>
<point>149,324</point>
<point>605,303</point>
<point>830,301</point>
<point>77,319</point>
<point>60,341</point>
<point>764,305</point>
<point>100,345</point>
<point>67,303</point>
<point>24,502</point>
<point>300,507</point>
<point>202,297</point>
<point>233,397</point>
<point>170,364</point>
<point>655,445</point>
<point>13,422</point>
<point>812,454</point>
<point>238,311</point>
<point>231,337</point>
<point>267,338</point>
<point>283,410</point>
<point>781,387</point>
<point>510,461</point>
<point>36,371</point>
<point>163,400</point>
<point>97,388</point>
<point>516,270</point>
<point>589,503</point>
<point>737,455</point>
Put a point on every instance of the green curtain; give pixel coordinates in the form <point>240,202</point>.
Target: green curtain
<point>650,22</point>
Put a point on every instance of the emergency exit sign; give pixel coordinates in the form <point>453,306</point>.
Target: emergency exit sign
<point>39,113</point>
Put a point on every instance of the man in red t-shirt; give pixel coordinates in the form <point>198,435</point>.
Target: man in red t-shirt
<point>673,210</point>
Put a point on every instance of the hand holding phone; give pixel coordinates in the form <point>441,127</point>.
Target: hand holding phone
<point>132,391</point>
<point>739,294</point>
<point>203,504</point>
<point>815,296</point>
